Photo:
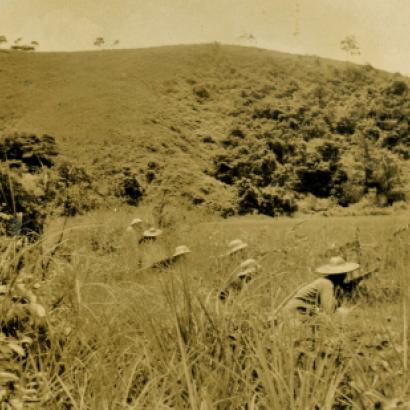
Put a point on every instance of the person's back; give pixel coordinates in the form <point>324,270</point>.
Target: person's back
<point>325,293</point>
<point>316,295</point>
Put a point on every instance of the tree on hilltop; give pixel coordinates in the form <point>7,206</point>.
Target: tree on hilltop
<point>99,42</point>
<point>115,43</point>
<point>3,39</point>
<point>350,45</point>
<point>247,38</point>
<point>18,40</point>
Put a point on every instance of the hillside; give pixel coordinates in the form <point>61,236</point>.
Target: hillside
<point>233,129</point>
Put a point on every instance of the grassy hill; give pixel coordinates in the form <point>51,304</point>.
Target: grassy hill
<point>233,129</point>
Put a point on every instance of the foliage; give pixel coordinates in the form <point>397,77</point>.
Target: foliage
<point>99,42</point>
<point>338,139</point>
<point>75,190</point>
<point>25,179</point>
<point>350,45</point>
<point>291,123</point>
<point>23,328</point>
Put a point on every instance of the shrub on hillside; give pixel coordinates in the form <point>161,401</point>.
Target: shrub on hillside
<point>270,168</point>
<point>75,188</point>
<point>397,87</point>
<point>128,186</point>
<point>201,92</point>
<point>383,174</point>
<point>345,126</point>
<point>277,201</point>
<point>270,200</point>
<point>259,165</point>
<point>25,194</point>
<point>369,169</point>
<point>25,181</point>
<point>35,152</point>
<point>318,173</point>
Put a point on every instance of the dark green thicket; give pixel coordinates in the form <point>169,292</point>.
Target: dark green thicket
<point>340,139</point>
<point>129,187</point>
<point>75,189</point>
<point>25,182</point>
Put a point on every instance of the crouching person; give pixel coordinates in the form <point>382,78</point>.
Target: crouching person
<point>181,253</point>
<point>336,284</point>
<point>248,269</point>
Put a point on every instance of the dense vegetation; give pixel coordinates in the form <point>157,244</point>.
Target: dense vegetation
<point>229,129</point>
<point>340,138</point>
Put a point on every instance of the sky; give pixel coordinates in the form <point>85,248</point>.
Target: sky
<point>316,27</point>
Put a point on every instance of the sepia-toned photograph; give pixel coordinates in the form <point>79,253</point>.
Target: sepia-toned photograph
<point>204,204</point>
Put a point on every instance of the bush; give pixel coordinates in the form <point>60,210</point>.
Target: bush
<point>384,175</point>
<point>129,187</point>
<point>248,197</point>
<point>270,201</point>
<point>398,87</point>
<point>201,92</point>
<point>277,201</point>
<point>345,126</point>
<point>75,190</point>
<point>25,182</point>
<point>20,193</point>
<point>29,149</point>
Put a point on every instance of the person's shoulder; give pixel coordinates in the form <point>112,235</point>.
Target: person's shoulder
<point>323,283</point>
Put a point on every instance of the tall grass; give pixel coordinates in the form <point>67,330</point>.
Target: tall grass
<point>117,339</point>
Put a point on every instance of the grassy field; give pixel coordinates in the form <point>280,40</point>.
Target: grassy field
<point>83,327</point>
<point>117,338</point>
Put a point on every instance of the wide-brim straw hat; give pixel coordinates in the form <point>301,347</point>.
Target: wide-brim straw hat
<point>336,266</point>
<point>152,233</point>
<point>250,265</point>
<point>235,246</point>
<point>181,250</point>
<point>246,272</point>
<point>136,221</point>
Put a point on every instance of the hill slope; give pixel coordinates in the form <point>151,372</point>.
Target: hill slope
<point>233,128</point>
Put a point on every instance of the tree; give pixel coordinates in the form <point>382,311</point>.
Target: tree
<point>3,39</point>
<point>247,38</point>
<point>18,40</point>
<point>350,45</point>
<point>115,43</point>
<point>35,43</point>
<point>99,42</point>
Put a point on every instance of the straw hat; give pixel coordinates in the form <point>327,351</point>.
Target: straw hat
<point>235,246</point>
<point>248,267</point>
<point>152,233</point>
<point>337,265</point>
<point>136,221</point>
<point>181,250</point>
